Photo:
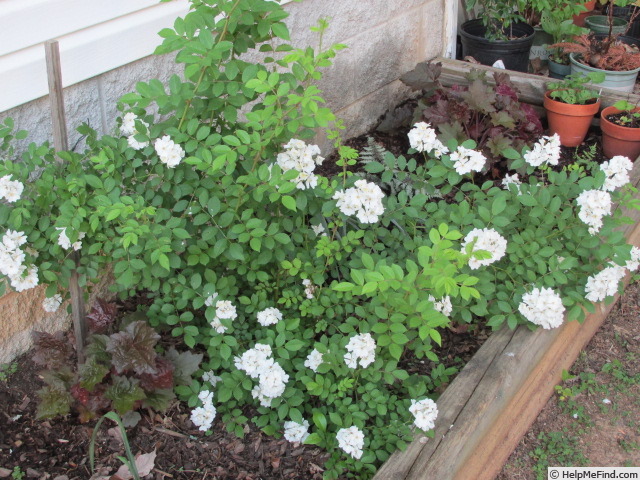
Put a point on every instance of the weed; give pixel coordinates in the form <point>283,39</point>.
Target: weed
<point>616,369</point>
<point>6,370</point>
<point>556,449</point>
<point>17,473</point>
<point>628,446</point>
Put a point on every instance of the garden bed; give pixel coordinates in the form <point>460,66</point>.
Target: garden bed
<point>225,244</point>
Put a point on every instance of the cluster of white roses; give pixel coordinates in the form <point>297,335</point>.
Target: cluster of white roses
<point>351,440</point>
<point>314,359</point>
<point>21,276</point>
<point>272,379</point>
<point>225,310</point>
<point>202,417</point>
<point>318,229</point>
<point>485,239</point>
<point>269,316</point>
<point>65,242</point>
<point>594,204</point>
<point>309,288</point>
<point>443,305</point>
<point>546,150</point>
<point>360,348</point>
<point>295,432</point>
<point>364,200</point>
<point>425,413</point>
<point>511,180</point>
<point>10,190</point>
<point>302,158</point>
<point>169,152</point>
<point>466,160</point>
<point>605,283</point>
<point>543,307</point>
<point>617,171</point>
<point>51,304</point>
<point>128,129</point>
<point>634,262</point>
<point>423,138</point>
<point>211,377</point>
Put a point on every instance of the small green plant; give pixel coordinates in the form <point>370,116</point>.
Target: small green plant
<point>498,16</point>
<point>572,89</point>
<point>624,380</point>
<point>558,22</point>
<point>556,449</point>
<point>629,117</point>
<point>6,370</point>
<point>628,445</point>
<point>17,473</point>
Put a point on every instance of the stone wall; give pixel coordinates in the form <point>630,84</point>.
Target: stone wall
<point>385,38</point>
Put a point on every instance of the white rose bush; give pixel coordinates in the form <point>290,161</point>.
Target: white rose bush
<point>307,294</point>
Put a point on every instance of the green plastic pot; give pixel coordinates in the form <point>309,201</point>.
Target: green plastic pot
<point>620,81</point>
<point>600,24</point>
<point>558,70</point>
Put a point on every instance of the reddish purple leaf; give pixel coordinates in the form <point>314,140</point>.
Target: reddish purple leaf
<point>102,315</point>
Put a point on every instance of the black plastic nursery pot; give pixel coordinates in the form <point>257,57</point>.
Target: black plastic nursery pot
<point>513,53</point>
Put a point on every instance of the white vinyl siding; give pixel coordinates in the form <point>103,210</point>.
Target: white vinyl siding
<point>95,36</point>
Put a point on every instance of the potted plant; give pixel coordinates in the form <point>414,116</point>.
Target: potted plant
<point>620,126</point>
<point>499,34</point>
<point>558,23</point>
<point>571,106</point>
<point>588,7</point>
<point>552,22</point>
<point>619,61</point>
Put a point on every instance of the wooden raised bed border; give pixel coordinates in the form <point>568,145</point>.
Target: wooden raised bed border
<point>532,87</point>
<point>496,397</point>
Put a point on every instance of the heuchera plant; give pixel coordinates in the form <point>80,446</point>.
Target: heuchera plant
<point>490,114</point>
<point>122,371</point>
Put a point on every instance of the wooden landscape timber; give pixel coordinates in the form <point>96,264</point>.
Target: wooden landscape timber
<point>494,400</point>
<point>532,87</point>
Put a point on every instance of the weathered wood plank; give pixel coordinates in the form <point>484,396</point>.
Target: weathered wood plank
<point>60,142</point>
<point>450,404</point>
<point>496,397</point>
<point>532,87</point>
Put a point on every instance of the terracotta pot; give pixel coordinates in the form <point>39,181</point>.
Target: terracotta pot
<point>579,19</point>
<point>570,122</point>
<point>619,140</point>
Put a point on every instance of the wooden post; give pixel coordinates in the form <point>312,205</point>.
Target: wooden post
<point>450,29</point>
<point>60,142</point>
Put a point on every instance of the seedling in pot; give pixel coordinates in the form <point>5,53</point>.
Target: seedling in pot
<point>627,117</point>
<point>572,89</point>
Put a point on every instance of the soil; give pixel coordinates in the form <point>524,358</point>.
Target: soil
<point>602,428</point>
<point>624,119</point>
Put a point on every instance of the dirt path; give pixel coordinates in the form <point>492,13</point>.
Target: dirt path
<point>594,417</point>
